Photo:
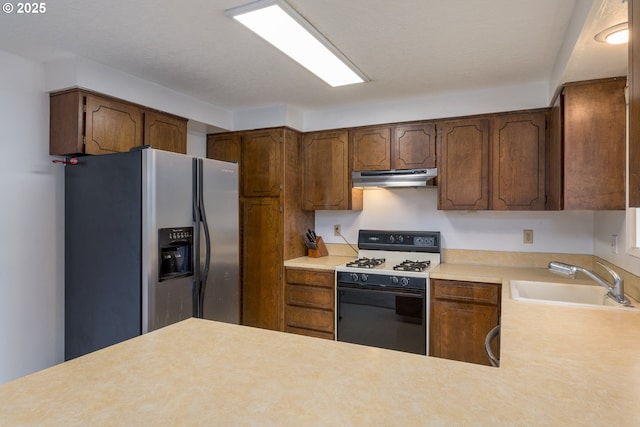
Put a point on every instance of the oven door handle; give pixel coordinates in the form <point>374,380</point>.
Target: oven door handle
<point>413,292</point>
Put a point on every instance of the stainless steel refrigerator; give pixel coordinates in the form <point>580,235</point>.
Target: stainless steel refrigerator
<point>151,238</point>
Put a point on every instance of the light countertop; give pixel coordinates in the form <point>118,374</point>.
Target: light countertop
<point>322,263</point>
<point>560,366</point>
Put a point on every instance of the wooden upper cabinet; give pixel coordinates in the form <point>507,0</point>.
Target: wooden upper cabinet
<point>518,161</point>
<point>224,147</point>
<point>414,146</point>
<point>83,122</point>
<point>326,173</point>
<point>261,163</point>
<point>165,132</point>
<point>634,103</point>
<point>463,164</point>
<point>66,123</point>
<point>587,146</point>
<point>408,146</point>
<point>111,126</point>
<point>372,148</point>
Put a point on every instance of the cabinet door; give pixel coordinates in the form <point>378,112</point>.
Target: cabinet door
<point>261,163</point>
<point>594,125</point>
<point>414,146</point>
<point>66,124</point>
<point>225,147</point>
<point>261,262</point>
<point>634,103</point>
<point>372,149</point>
<point>462,314</point>
<point>326,179</point>
<point>458,330</point>
<point>463,164</point>
<point>111,126</point>
<point>518,162</point>
<point>310,301</point>
<point>165,132</point>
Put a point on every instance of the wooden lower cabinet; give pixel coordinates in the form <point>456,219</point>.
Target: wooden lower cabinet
<point>461,316</point>
<point>310,302</point>
<point>261,262</point>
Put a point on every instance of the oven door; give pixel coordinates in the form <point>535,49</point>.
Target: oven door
<point>392,319</point>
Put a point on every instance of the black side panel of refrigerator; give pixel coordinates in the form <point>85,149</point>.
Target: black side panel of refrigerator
<point>103,214</point>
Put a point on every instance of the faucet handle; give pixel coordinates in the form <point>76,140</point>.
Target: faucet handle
<point>616,276</point>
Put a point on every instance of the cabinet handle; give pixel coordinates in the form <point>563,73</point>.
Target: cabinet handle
<point>487,346</point>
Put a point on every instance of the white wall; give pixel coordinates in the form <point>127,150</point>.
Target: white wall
<point>416,209</point>
<point>32,221</point>
<point>196,143</point>
<point>84,73</point>
<point>507,98</point>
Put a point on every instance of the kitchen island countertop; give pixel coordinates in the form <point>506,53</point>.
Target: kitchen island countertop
<point>559,366</point>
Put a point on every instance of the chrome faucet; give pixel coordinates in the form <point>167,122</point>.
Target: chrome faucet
<point>616,291</point>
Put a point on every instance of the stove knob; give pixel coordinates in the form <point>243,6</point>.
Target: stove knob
<point>364,277</point>
<point>400,239</point>
<point>404,281</point>
<point>354,277</point>
<point>392,238</point>
<point>394,280</point>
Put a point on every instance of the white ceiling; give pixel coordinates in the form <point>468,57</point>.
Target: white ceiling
<point>408,48</point>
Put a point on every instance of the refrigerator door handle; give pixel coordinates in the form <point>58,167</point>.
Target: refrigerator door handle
<point>196,242</point>
<point>207,240</point>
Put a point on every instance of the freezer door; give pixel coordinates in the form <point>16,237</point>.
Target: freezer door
<point>221,293</point>
<point>167,203</point>
<point>102,252</point>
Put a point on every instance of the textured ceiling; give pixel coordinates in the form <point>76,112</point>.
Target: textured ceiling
<point>408,48</point>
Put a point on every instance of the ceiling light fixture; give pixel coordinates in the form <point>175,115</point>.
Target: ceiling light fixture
<point>280,24</point>
<point>617,34</point>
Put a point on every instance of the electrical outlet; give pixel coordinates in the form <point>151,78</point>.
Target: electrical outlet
<point>337,230</point>
<point>527,236</point>
<point>614,243</point>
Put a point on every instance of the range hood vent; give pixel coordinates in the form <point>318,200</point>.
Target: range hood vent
<point>394,178</point>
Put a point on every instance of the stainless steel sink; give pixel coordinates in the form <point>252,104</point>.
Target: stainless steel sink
<point>565,294</point>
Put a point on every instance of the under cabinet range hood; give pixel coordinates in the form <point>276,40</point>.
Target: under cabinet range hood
<point>394,178</point>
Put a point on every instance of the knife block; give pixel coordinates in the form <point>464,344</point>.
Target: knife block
<point>321,251</point>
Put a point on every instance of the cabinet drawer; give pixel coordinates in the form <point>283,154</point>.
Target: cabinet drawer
<point>309,333</point>
<point>309,318</point>
<point>310,296</point>
<point>311,277</point>
<point>487,293</point>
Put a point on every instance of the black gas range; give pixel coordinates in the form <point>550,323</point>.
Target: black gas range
<point>383,296</point>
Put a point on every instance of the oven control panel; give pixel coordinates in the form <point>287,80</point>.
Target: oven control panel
<point>411,241</point>
<point>389,281</point>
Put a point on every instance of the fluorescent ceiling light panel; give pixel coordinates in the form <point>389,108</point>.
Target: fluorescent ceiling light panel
<point>279,24</point>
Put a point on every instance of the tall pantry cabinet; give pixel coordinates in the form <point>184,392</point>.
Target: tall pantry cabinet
<point>272,221</point>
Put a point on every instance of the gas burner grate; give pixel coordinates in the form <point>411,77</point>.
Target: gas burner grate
<point>408,265</point>
<point>366,262</point>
